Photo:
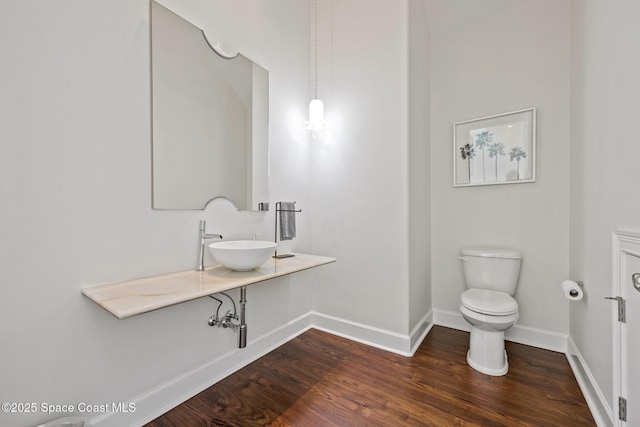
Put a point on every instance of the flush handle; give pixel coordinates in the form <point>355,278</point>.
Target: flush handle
<point>635,278</point>
<point>465,259</point>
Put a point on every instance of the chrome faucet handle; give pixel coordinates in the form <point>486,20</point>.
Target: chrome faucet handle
<point>255,236</point>
<point>204,236</point>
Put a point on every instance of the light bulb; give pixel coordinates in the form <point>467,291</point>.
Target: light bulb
<point>316,123</point>
<point>316,111</point>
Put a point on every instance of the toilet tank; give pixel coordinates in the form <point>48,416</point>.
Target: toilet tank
<point>491,268</point>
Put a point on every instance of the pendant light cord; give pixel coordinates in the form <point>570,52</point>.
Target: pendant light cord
<point>316,49</point>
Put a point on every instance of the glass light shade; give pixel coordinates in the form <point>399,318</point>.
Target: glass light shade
<point>316,111</point>
<point>316,123</point>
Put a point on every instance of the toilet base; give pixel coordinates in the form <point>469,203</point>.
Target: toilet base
<point>486,352</point>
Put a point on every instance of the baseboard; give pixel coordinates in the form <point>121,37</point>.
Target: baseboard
<point>521,334</point>
<point>450,319</point>
<point>375,337</point>
<point>600,408</point>
<point>161,399</point>
<point>420,331</point>
<point>540,338</point>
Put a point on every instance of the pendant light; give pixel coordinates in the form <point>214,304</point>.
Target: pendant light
<point>316,124</point>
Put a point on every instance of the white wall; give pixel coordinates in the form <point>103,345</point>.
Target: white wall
<point>419,165</point>
<point>604,152</point>
<point>76,196</point>
<point>75,179</point>
<point>359,181</point>
<point>487,58</point>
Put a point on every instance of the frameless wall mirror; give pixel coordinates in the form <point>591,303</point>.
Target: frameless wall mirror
<point>210,119</point>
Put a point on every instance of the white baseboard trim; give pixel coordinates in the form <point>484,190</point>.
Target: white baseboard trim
<point>450,319</point>
<point>394,342</point>
<point>600,408</point>
<point>161,399</point>
<point>520,334</point>
<point>420,331</point>
<point>540,338</point>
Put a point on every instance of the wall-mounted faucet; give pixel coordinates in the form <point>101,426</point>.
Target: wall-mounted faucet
<point>203,238</point>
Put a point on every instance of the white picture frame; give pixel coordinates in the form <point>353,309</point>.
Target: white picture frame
<point>498,149</point>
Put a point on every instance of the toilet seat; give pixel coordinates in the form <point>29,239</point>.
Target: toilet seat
<point>492,303</point>
<point>493,322</point>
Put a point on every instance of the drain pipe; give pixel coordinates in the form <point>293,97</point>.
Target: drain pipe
<point>242,330</point>
<point>227,321</point>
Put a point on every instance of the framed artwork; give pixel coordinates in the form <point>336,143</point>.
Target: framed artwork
<point>498,149</point>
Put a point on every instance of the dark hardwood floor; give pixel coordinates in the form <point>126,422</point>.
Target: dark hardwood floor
<point>318,379</point>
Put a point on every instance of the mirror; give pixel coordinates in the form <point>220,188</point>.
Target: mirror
<point>210,118</point>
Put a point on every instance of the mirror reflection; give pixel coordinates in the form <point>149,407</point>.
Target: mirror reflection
<point>209,120</point>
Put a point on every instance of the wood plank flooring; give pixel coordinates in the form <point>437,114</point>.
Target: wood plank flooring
<point>318,379</point>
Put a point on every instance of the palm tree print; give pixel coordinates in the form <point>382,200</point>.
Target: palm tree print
<point>517,153</point>
<point>468,152</point>
<point>482,139</point>
<point>496,149</point>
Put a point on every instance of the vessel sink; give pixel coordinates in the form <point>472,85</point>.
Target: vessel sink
<point>242,255</point>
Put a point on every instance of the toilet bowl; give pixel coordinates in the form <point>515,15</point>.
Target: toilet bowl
<point>488,306</point>
<point>488,323</point>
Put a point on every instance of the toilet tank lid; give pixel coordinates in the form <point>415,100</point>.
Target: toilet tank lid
<point>492,252</point>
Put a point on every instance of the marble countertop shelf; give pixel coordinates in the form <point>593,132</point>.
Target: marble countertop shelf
<point>126,299</point>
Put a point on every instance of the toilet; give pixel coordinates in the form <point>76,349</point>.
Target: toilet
<point>491,277</point>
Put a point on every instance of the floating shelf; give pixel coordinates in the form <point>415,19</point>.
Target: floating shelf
<point>126,299</point>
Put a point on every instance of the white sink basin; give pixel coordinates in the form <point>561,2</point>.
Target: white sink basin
<point>242,255</point>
